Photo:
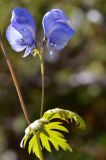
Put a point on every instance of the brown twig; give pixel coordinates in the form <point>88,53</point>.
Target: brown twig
<point>15,81</point>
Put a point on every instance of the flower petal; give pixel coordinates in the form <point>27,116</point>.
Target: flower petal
<point>21,32</point>
<point>59,37</point>
<point>22,17</point>
<point>50,19</point>
<point>14,38</point>
<point>28,51</point>
<point>57,28</point>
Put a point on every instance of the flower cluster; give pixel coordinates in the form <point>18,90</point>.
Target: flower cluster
<point>21,32</point>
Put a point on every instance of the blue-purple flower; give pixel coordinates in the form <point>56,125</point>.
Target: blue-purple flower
<point>57,29</point>
<point>21,31</point>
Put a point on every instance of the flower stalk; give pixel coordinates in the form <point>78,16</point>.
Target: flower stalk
<point>41,56</point>
<point>42,73</point>
<point>40,53</point>
<point>15,81</point>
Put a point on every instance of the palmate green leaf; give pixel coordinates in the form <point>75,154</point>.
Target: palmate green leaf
<point>65,115</point>
<point>50,132</point>
<point>56,125</point>
<point>33,146</point>
<point>45,141</point>
<point>31,134</point>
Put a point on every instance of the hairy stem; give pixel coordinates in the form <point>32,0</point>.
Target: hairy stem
<point>15,81</point>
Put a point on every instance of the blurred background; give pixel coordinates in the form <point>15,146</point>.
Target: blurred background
<point>75,79</point>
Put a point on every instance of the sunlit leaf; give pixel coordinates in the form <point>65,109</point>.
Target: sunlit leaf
<point>57,139</point>
<point>50,132</point>
<point>45,142</point>
<point>65,115</point>
<point>56,125</point>
<point>33,146</point>
<point>31,134</point>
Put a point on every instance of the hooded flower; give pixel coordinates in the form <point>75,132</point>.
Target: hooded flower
<point>57,29</point>
<point>21,31</point>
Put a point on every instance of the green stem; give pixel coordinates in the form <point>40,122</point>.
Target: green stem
<point>39,147</point>
<point>42,73</point>
<point>15,81</point>
<point>41,55</point>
